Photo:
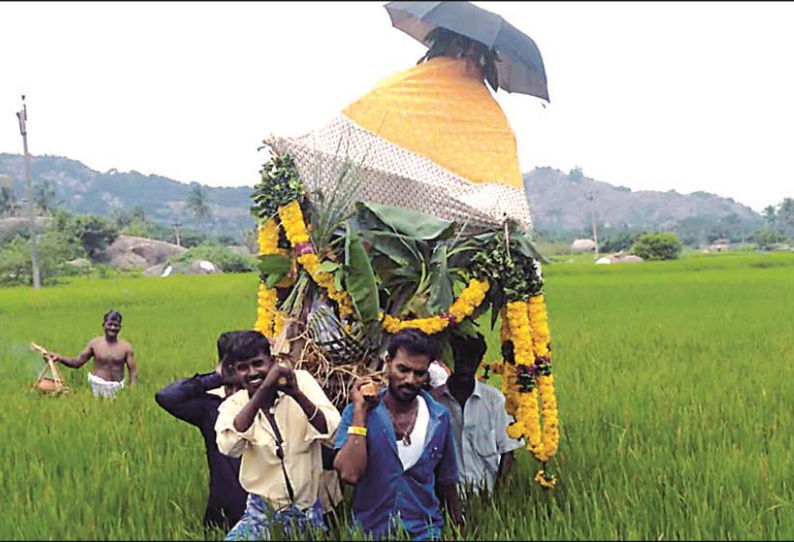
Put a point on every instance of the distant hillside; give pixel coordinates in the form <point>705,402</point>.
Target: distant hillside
<point>80,189</point>
<point>558,201</point>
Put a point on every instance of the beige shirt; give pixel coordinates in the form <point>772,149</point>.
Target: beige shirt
<point>260,468</point>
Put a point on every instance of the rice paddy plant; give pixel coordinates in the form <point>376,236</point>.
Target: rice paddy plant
<point>675,385</point>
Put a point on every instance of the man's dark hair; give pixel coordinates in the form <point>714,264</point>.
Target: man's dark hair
<point>115,315</point>
<point>244,345</point>
<point>467,349</point>
<point>223,342</point>
<point>415,342</point>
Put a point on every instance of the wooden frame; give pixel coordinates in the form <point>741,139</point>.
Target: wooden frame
<point>52,382</point>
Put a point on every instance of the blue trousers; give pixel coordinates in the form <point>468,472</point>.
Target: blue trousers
<point>259,518</point>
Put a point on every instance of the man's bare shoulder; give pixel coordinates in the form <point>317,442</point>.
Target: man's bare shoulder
<point>126,346</point>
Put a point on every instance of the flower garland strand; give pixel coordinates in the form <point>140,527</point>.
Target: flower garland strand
<point>509,386</point>
<point>295,227</point>
<point>266,297</point>
<point>529,389</point>
<point>527,414</point>
<point>538,320</point>
<point>469,299</point>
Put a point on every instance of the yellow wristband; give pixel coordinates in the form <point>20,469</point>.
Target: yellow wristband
<point>357,430</point>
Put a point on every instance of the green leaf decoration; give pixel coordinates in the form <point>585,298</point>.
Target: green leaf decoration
<point>273,268</point>
<point>280,184</point>
<point>411,223</point>
<point>441,282</point>
<point>360,279</point>
<point>329,267</point>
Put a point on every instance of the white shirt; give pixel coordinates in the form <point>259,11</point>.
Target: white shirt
<point>410,454</point>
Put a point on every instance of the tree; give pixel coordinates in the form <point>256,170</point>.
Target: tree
<point>769,215</point>
<point>576,174</point>
<point>6,201</point>
<point>137,214</point>
<point>617,241</point>
<point>657,246</point>
<point>94,232</point>
<point>44,197</point>
<point>785,215</point>
<point>766,238</point>
<point>198,203</point>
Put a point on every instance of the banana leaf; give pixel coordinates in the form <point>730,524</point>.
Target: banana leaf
<point>416,225</point>
<point>274,267</point>
<point>441,282</point>
<point>360,279</point>
<point>527,247</point>
<point>400,249</point>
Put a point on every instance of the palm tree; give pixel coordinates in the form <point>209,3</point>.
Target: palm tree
<point>198,203</point>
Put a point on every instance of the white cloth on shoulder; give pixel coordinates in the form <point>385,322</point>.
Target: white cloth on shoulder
<point>104,388</point>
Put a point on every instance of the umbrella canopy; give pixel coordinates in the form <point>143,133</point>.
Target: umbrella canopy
<point>519,66</point>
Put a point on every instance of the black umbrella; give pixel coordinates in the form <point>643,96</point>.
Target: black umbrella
<point>519,65</point>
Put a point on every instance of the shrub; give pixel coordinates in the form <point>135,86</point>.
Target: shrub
<point>228,260</point>
<point>94,232</point>
<point>657,246</point>
<point>53,250</point>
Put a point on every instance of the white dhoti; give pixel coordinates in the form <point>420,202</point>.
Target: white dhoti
<point>104,388</point>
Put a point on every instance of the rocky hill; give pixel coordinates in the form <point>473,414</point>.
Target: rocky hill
<point>559,201</point>
<point>80,189</point>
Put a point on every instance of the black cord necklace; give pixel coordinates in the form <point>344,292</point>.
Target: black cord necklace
<point>406,433</point>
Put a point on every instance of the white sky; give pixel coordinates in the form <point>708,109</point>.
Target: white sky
<point>653,96</point>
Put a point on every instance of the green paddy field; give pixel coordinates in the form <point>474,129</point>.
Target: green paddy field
<point>675,383</point>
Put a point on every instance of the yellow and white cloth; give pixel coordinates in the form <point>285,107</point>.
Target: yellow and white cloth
<point>431,138</point>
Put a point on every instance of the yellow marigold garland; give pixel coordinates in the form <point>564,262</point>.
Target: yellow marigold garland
<point>298,236</point>
<point>266,297</point>
<point>527,414</point>
<point>538,321</point>
<point>469,299</point>
<point>266,310</point>
<point>509,386</point>
<point>526,324</point>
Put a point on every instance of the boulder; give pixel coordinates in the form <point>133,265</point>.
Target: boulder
<point>128,252</point>
<point>155,270</point>
<point>202,267</point>
<point>128,260</point>
<point>583,245</point>
<point>80,263</point>
<point>626,258</point>
<point>199,267</point>
<point>10,225</point>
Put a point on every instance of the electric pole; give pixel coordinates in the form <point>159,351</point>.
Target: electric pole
<point>176,231</point>
<point>592,216</point>
<point>22,115</point>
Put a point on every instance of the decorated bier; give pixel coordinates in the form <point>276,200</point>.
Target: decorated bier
<point>407,210</point>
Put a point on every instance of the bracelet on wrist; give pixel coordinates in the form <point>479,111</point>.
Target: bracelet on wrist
<point>357,430</point>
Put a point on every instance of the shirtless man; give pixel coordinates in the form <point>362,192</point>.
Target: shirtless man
<point>110,355</point>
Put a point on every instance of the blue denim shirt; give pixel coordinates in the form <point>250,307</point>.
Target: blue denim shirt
<point>385,493</point>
